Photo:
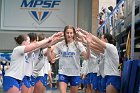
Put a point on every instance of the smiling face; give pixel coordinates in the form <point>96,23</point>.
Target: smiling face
<point>69,35</point>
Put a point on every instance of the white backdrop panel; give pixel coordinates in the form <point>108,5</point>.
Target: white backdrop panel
<point>23,14</point>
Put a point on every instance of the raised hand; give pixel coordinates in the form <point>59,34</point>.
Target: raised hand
<point>78,29</point>
<point>79,34</point>
<point>82,31</point>
<point>89,37</point>
<point>58,34</point>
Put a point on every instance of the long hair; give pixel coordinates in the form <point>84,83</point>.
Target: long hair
<point>65,29</point>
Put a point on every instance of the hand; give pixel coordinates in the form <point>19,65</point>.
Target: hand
<point>94,37</point>
<point>89,37</point>
<point>79,39</point>
<point>58,34</point>
<point>79,34</point>
<point>84,39</point>
<point>82,31</point>
<point>78,29</point>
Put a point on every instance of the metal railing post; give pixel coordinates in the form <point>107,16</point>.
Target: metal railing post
<point>132,29</point>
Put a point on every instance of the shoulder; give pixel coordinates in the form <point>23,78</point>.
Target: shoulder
<point>19,48</point>
<point>110,46</point>
<point>60,44</point>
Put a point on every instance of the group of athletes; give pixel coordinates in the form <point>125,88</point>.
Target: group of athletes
<point>30,62</point>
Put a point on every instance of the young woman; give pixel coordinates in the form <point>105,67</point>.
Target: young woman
<point>15,73</point>
<point>39,84</point>
<point>110,81</point>
<point>93,75</point>
<point>69,51</point>
<point>33,38</point>
<point>28,67</point>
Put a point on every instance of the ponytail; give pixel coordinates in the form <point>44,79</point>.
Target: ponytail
<point>20,39</point>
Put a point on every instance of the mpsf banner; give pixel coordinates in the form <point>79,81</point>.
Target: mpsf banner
<point>48,15</point>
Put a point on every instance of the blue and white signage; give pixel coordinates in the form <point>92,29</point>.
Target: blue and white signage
<point>48,15</point>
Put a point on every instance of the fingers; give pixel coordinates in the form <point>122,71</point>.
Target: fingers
<point>81,30</point>
<point>58,34</point>
<point>78,29</point>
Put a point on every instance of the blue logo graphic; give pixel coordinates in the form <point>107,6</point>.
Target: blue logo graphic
<point>68,54</point>
<point>26,59</point>
<point>40,10</point>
